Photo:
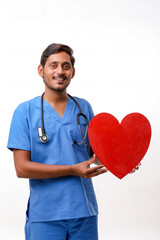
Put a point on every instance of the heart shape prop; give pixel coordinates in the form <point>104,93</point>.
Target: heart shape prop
<point>119,146</point>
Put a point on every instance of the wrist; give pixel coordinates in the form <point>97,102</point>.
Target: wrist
<point>73,170</point>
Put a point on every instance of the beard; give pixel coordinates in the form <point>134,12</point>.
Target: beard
<point>61,88</point>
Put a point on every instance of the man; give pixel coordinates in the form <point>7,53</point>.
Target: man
<point>62,203</point>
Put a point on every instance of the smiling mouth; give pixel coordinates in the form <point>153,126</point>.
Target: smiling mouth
<point>60,78</point>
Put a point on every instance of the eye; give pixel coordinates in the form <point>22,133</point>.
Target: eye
<point>53,65</point>
<point>66,66</point>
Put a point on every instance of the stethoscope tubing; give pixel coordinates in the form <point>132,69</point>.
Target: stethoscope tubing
<point>44,137</point>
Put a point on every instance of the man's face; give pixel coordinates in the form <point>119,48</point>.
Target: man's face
<point>57,72</point>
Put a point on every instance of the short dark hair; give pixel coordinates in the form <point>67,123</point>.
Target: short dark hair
<point>56,48</point>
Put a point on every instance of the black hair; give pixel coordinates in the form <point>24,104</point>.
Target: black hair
<point>56,48</point>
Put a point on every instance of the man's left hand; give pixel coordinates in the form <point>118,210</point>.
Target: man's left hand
<point>136,168</point>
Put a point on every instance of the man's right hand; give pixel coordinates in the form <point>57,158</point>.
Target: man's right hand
<point>83,169</point>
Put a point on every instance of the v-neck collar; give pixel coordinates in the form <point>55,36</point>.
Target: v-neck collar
<point>48,109</point>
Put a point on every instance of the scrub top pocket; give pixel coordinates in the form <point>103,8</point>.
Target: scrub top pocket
<point>77,138</point>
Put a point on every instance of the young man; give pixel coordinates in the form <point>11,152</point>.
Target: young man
<point>62,203</point>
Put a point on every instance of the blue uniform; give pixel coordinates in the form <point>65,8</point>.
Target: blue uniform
<point>60,198</point>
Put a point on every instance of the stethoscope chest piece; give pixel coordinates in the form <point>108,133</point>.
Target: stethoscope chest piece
<point>42,135</point>
<point>44,138</point>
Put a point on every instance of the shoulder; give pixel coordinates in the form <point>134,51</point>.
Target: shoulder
<point>85,106</point>
<point>82,101</point>
<point>24,106</point>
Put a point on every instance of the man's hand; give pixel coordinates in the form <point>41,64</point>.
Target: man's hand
<point>83,170</point>
<point>136,168</point>
<point>97,162</point>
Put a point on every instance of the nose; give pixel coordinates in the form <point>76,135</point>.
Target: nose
<point>59,69</point>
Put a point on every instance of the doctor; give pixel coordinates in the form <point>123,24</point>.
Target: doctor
<point>62,204</point>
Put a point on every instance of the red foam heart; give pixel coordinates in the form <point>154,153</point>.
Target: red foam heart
<point>120,146</point>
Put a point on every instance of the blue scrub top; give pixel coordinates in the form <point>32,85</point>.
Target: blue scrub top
<point>56,198</point>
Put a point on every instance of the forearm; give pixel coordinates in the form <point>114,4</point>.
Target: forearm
<point>25,168</point>
<point>28,169</point>
<point>36,170</point>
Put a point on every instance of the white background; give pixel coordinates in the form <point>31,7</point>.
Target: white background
<point>117,51</point>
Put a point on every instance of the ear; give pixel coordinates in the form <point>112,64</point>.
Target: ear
<point>73,73</point>
<point>40,70</point>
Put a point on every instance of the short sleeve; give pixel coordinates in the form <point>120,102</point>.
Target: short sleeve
<point>19,131</point>
<point>91,113</point>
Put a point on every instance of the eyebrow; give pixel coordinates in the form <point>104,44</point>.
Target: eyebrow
<point>62,63</point>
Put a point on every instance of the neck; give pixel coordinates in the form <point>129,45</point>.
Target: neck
<point>55,97</point>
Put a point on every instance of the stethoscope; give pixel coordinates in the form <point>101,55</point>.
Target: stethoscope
<point>41,130</point>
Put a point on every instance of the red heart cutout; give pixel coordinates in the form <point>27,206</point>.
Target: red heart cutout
<point>120,146</point>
